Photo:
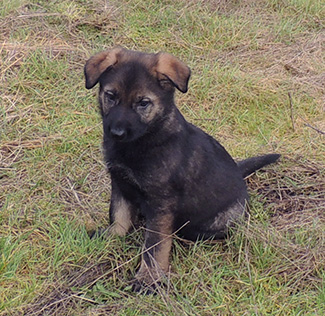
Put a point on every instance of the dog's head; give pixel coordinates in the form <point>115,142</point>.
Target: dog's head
<point>136,89</point>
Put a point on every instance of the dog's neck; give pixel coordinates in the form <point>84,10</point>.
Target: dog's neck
<point>172,125</point>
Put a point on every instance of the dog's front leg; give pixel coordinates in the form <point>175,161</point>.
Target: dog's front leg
<point>155,257</point>
<point>121,212</point>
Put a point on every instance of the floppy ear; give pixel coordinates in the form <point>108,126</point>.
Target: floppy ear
<point>175,70</point>
<point>97,64</point>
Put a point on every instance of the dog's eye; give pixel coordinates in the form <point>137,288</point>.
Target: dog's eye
<point>110,96</point>
<point>144,103</point>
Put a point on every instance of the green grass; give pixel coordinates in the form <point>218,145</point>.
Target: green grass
<point>246,57</point>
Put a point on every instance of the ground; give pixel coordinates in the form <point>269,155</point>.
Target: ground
<point>258,86</point>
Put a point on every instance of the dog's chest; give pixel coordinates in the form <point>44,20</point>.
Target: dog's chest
<point>124,173</point>
<point>143,168</point>
<point>142,174</point>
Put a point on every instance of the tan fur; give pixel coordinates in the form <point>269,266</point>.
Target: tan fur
<point>159,264</point>
<point>229,217</point>
<point>97,64</point>
<point>159,261</point>
<point>175,70</point>
<point>164,65</point>
<point>106,106</point>
<point>162,254</point>
<point>148,114</point>
<point>123,221</point>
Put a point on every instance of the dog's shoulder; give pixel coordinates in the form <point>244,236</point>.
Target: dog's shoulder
<point>208,145</point>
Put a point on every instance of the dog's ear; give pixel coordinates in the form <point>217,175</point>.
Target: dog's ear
<point>98,63</point>
<point>173,69</point>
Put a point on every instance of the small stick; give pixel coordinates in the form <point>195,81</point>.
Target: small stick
<point>291,111</point>
<point>306,123</point>
<point>313,127</point>
<point>205,119</point>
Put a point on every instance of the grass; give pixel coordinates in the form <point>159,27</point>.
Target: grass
<point>257,85</point>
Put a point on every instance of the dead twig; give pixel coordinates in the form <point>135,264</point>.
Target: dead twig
<point>37,15</point>
<point>314,128</point>
<point>205,119</point>
<point>291,111</point>
<point>311,126</point>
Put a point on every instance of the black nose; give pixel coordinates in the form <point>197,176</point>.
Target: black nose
<point>118,133</point>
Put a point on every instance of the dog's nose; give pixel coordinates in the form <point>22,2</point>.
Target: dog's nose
<point>118,133</point>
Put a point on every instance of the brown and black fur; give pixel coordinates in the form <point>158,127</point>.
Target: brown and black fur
<point>161,166</point>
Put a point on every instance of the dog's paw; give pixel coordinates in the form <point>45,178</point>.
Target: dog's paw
<point>103,233</point>
<point>144,288</point>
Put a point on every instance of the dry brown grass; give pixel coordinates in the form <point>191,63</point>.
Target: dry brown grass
<point>295,198</point>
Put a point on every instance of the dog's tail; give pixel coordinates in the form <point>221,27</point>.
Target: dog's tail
<point>250,165</point>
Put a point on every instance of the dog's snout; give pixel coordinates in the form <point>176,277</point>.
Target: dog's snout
<point>118,133</point>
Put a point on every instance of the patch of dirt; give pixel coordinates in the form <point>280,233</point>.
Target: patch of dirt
<point>61,296</point>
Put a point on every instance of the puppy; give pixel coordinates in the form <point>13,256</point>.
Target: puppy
<point>162,167</point>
